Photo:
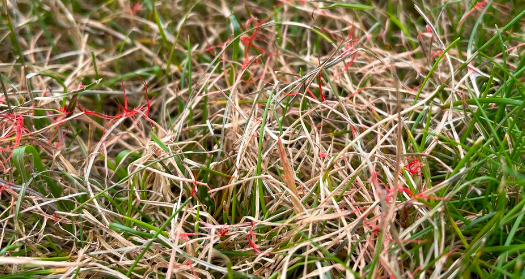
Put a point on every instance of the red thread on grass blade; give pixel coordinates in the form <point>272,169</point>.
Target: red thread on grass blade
<point>357,92</point>
<point>126,112</point>
<point>437,53</point>
<point>59,120</point>
<point>374,177</point>
<point>320,87</point>
<point>290,94</point>
<point>373,226</point>
<point>189,262</point>
<point>320,81</point>
<point>429,30</point>
<point>405,190</point>
<point>352,59</point>
<point>125,96</point>
<point>323,154</point>
<point>3,188</point>
<point>99,115</point>
<point>135,7</point>
<point>311,94</point>
<point>354,131</point>
<point>349,48</point>
<point>324,30</point>
<point>251,236</point>
<point>12,126</point>
<point>194,188</point>
<point>131,112</point>
<point>414,89</point>
<point>400,190</point>
<point>476,7</point>
<point>481,4</point>
<point>63,109</point>
<point>248,41</point>
<point>148,105</point>
<point>210,48</point>
<point>414,166</point>
<point>195,185</point>
<point>247,63</point>
<point>224,230</point>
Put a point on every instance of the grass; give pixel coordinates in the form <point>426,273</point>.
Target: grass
<point>262,139</point>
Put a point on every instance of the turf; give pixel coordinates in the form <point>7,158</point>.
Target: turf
<point>262,139</point>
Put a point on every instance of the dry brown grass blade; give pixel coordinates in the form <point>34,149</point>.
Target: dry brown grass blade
<point>34,261</point>
<point>288,178</point>
<point>360,161</point>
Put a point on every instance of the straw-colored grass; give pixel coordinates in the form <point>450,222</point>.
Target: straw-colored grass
<point>261,139</point>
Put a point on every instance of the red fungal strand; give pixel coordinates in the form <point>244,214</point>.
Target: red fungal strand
<point>12,126</point>
<point>63,109</point>
<point>476,7</point>
<point>374,177</point>
<point>99,115</point>
<point>126,112</point>
<point>224,230</point>
<point>3,188</point>
<point>437,53</point>
<point>248,40</point>
<point>348,65</point>
<point>311,94</point>
<point>324,30</point>
<point>357,92</point>
<point>211,48</point>
<point>131,112</point>
<point>414,166</point>
<point>148,105</point>
<point>410,194</point>
<point>251,237</point>
<point>481,4</point>
<point>401,190</point>
<point>354,131</point>
<point>406,190</point>
<point>321,86</point>
<point>253,245</point>
<point>320,81</point>
<point>348,48</point>
<point>290,94</point>
<point>135,7</point>
<point>194,188</point>
<point>429,30</point>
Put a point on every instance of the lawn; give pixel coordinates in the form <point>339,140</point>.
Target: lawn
<point>262,139</point>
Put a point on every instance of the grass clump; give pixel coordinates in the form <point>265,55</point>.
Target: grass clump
<point>262,139</point>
